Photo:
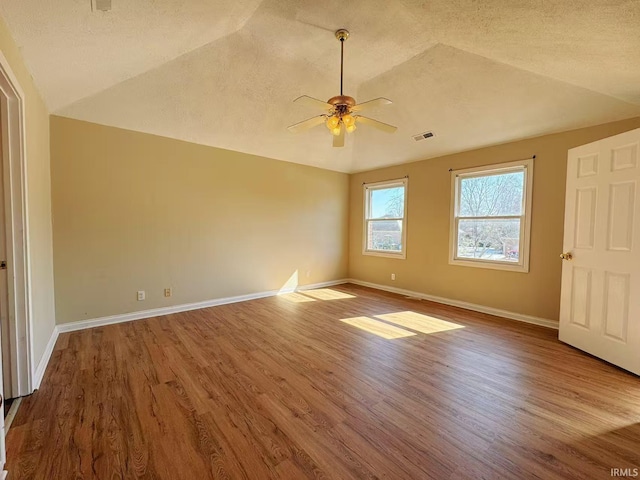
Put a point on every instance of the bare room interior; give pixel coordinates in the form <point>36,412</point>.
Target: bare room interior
<point>260,239</point>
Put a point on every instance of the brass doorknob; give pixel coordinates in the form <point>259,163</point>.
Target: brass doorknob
<point>566,256</point>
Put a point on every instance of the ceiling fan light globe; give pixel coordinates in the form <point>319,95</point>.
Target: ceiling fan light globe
<point>333,122</point>
<point>348,120</point>
<point>336,131</point>
<point>351,128</point>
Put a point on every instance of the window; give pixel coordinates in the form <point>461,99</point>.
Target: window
<point>491,210</point>
<point>385,211</point>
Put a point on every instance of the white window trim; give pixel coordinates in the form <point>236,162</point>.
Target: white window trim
<point>525,224</point>
<point>404,182</point>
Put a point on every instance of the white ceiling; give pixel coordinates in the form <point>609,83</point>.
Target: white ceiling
<point>224,72</point>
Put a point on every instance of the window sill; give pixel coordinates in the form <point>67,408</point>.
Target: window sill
<point>381,253</point>
<point>490,265</point>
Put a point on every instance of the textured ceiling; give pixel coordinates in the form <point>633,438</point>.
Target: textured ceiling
<point>224,73</point>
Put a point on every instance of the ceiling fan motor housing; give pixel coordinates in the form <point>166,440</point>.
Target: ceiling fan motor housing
<point>342,103</point>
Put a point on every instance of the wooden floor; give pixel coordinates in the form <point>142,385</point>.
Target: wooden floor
<point>281,388</point>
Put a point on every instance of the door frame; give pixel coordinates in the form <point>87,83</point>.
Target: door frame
<point>12,103</point>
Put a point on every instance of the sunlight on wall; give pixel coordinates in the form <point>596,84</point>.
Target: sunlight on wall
<point>290,285</point>
<point>419,322</point>
<point>328,294</point>
<point>377,327</point>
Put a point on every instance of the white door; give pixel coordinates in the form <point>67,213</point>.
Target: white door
<point>5,327</point>
<point>600,300</point>
<point>4,318</point>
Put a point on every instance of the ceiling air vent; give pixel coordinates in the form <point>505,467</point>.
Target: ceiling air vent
<point>100,5</point>
<point>422,136</point>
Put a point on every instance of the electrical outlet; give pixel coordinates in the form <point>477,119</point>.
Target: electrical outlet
<point>393,276</point>
<point>141,295</point>
<point>167,292</point>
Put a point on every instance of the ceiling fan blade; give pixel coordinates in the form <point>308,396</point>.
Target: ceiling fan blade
<point>338,140</point>
<point>378,102</point>
<point>385,127</point>
<point>307,124</point>
<point>313,102</point>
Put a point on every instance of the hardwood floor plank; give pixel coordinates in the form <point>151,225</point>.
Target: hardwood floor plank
<point>281,388</point>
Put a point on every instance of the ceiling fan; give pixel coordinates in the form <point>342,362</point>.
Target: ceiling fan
<point>342,111</point>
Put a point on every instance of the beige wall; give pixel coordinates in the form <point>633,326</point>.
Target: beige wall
<point>426,269</point>
<point>134,211</point>
<point>39,198</point>
<point>139,212</point>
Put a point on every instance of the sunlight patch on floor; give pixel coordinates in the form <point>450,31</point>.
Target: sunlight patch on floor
<point>295,297</point>
<point>327,294</point>
<point>377,327</point>
<point>419,322</point>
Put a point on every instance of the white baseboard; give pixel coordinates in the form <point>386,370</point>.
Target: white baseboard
<point>11,414</point>
<point>458,303</point>
<point>156,312</point>
<point>44,361</point>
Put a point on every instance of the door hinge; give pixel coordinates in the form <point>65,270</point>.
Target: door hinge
<point>3,264</point>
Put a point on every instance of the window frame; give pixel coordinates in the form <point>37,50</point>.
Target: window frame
<point>369,187</point>
<point>522,265</point>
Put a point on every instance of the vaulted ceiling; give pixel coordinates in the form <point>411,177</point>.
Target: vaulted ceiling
<point>224,72</point>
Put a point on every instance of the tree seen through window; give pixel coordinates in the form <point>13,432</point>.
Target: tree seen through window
<point>490,210</point>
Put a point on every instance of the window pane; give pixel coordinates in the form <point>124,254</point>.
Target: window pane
<point>385,235</point>
<point>497,240</point>
<point>386,203</point>
<point>492,195</point>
